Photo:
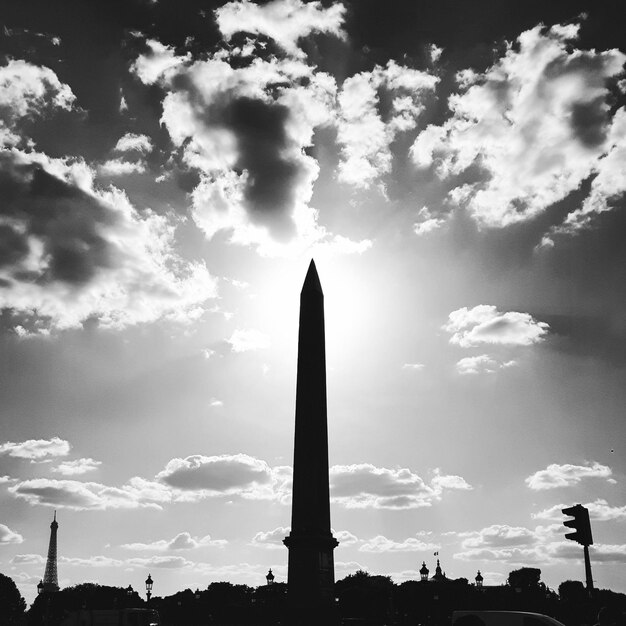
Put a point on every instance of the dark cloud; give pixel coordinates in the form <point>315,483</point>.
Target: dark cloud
<point>272,177</point>
<point>58,214</point>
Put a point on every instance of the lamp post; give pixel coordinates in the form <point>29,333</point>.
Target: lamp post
<point>149,584</point>
<point>40,588</point>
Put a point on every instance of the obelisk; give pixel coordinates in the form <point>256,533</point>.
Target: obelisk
<point>311,573</point>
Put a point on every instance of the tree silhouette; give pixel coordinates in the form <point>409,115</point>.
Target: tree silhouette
<point>12,605</point>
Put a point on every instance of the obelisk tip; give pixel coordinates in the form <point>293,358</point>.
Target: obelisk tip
<point>312,280</point>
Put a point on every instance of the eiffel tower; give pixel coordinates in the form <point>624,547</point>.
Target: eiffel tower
<point>50,582</point>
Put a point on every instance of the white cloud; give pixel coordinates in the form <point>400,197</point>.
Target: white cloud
<point>366,486</point>
<point>244,340</point>
<point>36,449</point>
<point>92,561</point>
<point>364,137</point>
<point>132,142</point>
<point>196,477</point>
<point>109,261</point>
<point>120,167</point>
<point>28,559</point>
<point>271,538</point>
<point>566,475</point>
<point>182,541</point>
<point>8,536</point>
<point>536,124</point>
<point>245,128</point>
<point>413,366</point>
<point>498,536</point>
<point>76,495</point>
<point>484,324</point>
<point>27,89</point>
<point>284,21</point>
<point>481,364</point>
<point>345,537</point>
<point>380,544</point>
<point>599,510</point>
<point>79,466</point>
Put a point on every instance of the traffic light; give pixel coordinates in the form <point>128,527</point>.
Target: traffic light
<point>580,524</point>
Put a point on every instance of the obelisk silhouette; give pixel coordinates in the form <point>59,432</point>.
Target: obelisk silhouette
<point>311,573</point>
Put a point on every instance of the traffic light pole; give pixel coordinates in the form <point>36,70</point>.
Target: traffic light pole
<point>588,571</point>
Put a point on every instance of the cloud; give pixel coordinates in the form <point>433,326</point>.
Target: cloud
<point>599,511</point>
<point>196,477</point>
<point>270,539</point>
<point>36,449</point>
<point>345,537</point>
<point>532,127</point>
<point>245,125</point>
<point>366,486</point>
<point>132,142</point>
<point>93,561</point>
<point>27,90</point>
<point>160,562</point>
<point>380,544</point>
<point>481,364</point>
<point>283,21</point>
<point>79,466</point>
<point>8,536</point>
<point>182,541</point>
<point>484,324</point>
<point>427,222</point>
<point>28,559</point>
<point>566,475</point>
<point>76,495</point>
<point>413,366</point>
<point>120,167</point>
<point>244,340</point>
<point>365,131</point>
<point>71,252</point>
<point>498,536</point>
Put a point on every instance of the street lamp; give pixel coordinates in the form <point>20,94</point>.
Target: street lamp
<point>149,584</point>
<point>129,591</point>
<point>40,588</point>
<point>197,594</point>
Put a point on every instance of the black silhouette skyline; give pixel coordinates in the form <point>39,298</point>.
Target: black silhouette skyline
<point>167,172</point>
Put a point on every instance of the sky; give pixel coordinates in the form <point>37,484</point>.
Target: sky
<point>167,172</point>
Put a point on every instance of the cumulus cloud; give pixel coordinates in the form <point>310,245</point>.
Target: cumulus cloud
<point>120,167</point>
<point>566,475</point>
<point>93,561</point>
<point>380,544</point>
<point>8,536</point>
<point>72,252</point>
<point>365,131</point>
<point>160,562</point>
<point>534,125</point>
<point>182,541</point>
<point>271,538</point>
<point>367,486</point>
<point>36,449</point>
<point>132,142</point>
<point>198,476</point>
<point>415,367</point>
<point>244,124</point>
<point>484,324</point>
<point>481,364</point>
<point>28,559</point>
<point>284,21</point>
<point>77,495</point>
<point>28,90</point>
<point>599,510</point>
<point>244,340</point>
<point>427,222</point>
<point>498,536</point>
<point>79,466</point>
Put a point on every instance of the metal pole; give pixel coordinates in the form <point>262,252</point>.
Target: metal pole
<point>588,571</point>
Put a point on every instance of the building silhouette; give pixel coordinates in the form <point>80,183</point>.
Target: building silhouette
<point>311,570</point>
<point>50,582</point>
